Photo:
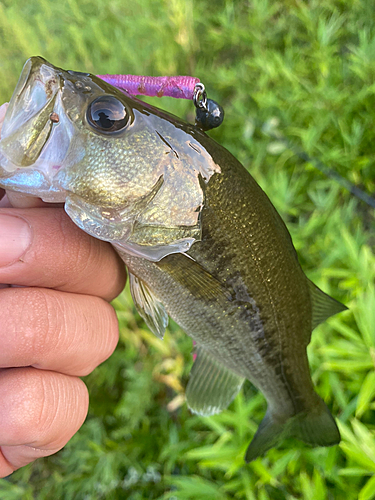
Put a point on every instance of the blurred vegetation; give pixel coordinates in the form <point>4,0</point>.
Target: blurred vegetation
<point>293,76</point>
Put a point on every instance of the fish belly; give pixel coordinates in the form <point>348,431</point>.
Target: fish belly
<point>231,331</point>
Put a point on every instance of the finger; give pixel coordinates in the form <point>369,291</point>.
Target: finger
<point>4,202</point>
<point>51,330</point>
<point>21,200</point>
<point>43,248</point>
<point>39,412</point>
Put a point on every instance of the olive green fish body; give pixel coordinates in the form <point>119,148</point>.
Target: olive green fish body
<point>201,240</point>
<point>241,294</point>
<point>260,304</point>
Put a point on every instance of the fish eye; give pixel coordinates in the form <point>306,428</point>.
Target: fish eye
<point>107,114</point>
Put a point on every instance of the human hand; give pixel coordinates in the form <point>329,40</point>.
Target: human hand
<point>55,325</point>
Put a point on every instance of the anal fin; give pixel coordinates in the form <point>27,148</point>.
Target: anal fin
<point>211,386</point>
<point>148,306</point>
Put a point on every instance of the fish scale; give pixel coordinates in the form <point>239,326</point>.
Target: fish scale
<point>249,278</point>
<point>212,327</point>
<point>201,240</point>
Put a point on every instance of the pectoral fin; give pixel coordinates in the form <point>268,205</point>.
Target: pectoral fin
<point>194,278</point>
<point>147,305</point>
<point>323,306</point>
<point>211,387</point>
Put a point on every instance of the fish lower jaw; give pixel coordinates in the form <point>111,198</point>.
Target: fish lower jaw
<point>32,182</point>
<point>30,164</point>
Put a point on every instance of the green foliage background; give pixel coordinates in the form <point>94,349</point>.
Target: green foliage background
<point>294,77</point>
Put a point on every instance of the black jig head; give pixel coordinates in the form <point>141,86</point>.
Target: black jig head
<point>209,114</point>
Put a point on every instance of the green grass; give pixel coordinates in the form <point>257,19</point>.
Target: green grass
<point>293,76</point>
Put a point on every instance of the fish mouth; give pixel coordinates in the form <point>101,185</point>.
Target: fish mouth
<point>27,123</point>
<point>36,132</point>
<point>48,150</point>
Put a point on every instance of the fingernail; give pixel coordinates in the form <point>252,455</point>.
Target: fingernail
<point>15,239</point>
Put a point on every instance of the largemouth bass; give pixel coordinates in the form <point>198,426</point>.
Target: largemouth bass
<point>202,242</point>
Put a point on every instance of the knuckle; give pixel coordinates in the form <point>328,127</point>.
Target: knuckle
<point>75,249</point>
<point>49,329</point>
<point>24,317</point>
<point>69,243</point>
<point>45,321</point>
<point>22,393</point>
<point>44,408</point>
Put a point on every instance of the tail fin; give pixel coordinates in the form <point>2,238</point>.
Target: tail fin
<point>316,427</point>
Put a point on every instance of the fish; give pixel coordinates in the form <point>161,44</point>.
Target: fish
<point>201,241</point>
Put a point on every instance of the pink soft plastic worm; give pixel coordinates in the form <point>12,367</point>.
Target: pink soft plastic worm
<point>181,87</point>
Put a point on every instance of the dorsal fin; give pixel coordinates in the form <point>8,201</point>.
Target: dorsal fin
<point>323,306</point>
<point>148,306</point>
<point>211,386</point>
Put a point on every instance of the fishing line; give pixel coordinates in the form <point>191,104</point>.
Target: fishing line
<point>209,115</point>
<point>328,171</point>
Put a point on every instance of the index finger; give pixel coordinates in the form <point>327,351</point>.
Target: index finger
<point>59,254</point>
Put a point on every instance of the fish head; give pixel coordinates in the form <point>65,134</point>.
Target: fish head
<point>128,173</point>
